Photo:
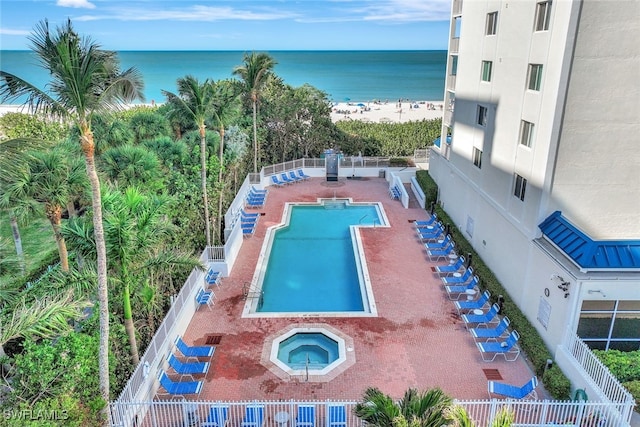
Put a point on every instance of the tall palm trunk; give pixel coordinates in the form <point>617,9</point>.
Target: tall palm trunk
<point>220,184</point>
<point>88,149</point>
<point>128,320</point>
<point>54,214</point>
<point>203,177</point>
<point>255,134</point>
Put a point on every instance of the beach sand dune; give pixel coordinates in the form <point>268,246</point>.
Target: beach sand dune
<point>390,112</point>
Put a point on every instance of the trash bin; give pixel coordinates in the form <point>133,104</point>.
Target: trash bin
<point>382,173</point>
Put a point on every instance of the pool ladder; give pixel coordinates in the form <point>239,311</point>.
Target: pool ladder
<point>249,292</point>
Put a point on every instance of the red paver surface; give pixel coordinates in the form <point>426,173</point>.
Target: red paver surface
<point>417,340</point>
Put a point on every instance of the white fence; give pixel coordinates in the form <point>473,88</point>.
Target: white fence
<point>284,413</point>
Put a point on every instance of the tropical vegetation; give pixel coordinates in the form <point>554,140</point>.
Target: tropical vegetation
<point>104,210</point>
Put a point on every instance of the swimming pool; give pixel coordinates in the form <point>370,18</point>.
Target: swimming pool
<point>313,263</point>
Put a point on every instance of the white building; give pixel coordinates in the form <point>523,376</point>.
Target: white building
<point>543,168</point>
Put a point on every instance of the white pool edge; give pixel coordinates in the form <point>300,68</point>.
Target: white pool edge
<point>366,290</point>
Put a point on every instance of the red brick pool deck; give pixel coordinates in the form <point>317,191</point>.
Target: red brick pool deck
<point>417,340</point>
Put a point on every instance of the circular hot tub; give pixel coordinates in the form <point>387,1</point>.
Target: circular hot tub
<point>308,351</point>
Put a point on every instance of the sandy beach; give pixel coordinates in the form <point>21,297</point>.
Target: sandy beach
<point>377,112</point>
<point>390,112</point>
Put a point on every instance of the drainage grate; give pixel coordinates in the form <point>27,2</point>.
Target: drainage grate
<point>213,339</point>
<point>492,374</point>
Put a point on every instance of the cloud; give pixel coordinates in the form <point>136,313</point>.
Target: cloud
<point>385,11</point>
<point>83,4</point>
<point>10,32</point>
<point>193,13</point>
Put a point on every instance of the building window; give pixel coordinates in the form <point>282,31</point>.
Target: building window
<point>610,324</point>
<point>454,65</point>
<point>477,158</point>
<point>534,77</point>
<point>492,23</point>
<point>482,116</point>
<point>526,133</point>
<point>543,15</point>
<point>520,187</point>
<point>486,71</point>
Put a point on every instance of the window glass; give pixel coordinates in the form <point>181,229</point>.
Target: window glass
<point>492,23</point>
<point>626,325</point>
<point>486,71</point>
<point>477,158</point>
<point>543,15</point>
<point>594,325</point>
<point>629,305</point>
<point>520,187</point>
<point>535,77</point>
<point>599,305</point>
<point>526,133</point>
<point>454,65</point>
<point>482,116</point>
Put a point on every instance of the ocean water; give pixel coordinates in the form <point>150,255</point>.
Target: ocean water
<point>343,75</point>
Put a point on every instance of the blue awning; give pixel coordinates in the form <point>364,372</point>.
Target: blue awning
<point>586,252</point>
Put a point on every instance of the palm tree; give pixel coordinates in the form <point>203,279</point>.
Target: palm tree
<point>223,107</point>
<point>415,409</point>
<point>85,79</point>
<point>254,73</point>
<point>136,230</point>
<point>48,178</point>
<point>195,99</point>
<point>459,417</point>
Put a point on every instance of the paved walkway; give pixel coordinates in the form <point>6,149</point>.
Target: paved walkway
<point>417,340</point>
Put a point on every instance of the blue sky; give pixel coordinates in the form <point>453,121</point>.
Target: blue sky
<point>237,24</point>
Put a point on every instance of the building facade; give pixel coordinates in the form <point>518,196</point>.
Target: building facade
<point>541,172</point>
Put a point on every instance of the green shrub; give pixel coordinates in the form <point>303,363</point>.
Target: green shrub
<point>634,389</point>
<point>624,365</point>
<point>556,383</point>
<point>429,187</point>
<point>400,162</point>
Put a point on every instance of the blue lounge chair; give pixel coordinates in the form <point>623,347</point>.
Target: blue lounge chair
<point>306,416</point>
<point>456,291</point>
<point>253,416</point>
<point>508,348</point>
<point>187,368</point>
<point>205,298</point>
<point>427,222</point>
<point>457,280</point>
<point>179,388</point>
<point>193,351</point>
<point>527,391</point>
<point>441,244</point>
<point>477,304</point>
<point>248,215</point>
<point>248,229</point>
<point>436,254</point>
<point>286,179</point>
<point>432,233</point>
<point>295,177</point>
<point>449,268</point>
<point>488,334</point>
<point>394,192</point>
<point>336,416</point>
<point>490,316</point>
<point>255,190</point>
<point>254,203</point>
<point>276,181</point>
<point>218,417</point>
<point>302,175</point>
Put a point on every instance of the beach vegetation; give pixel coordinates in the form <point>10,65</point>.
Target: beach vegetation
<point>254,72</point>
<point>22,125</point>
<point>85,79</point>
<point>387,139</point>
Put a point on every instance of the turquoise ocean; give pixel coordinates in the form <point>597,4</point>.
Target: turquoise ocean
<point>344,75</point>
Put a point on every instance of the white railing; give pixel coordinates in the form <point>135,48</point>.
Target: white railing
<point>283,413</point>
<point>418,193</point>
<point>531,413</point>
<point>605,384</point>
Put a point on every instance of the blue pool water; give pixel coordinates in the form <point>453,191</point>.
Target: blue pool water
<point>316,349</point>
<point>311,265</point>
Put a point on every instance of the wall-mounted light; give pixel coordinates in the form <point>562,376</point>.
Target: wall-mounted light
<point>563,285</point>
<point>596,291</point>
